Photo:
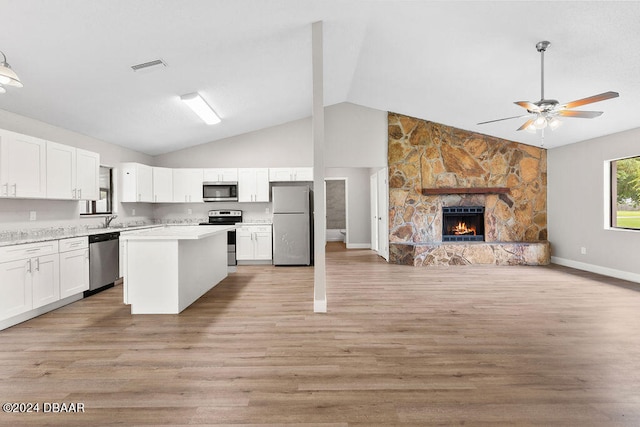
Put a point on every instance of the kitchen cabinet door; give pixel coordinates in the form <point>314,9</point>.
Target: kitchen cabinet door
<point>74,272</point>
<point>303,174</point>
<point>15,288</point>
<point>61,171</point>
<point>253,184</point>
<point>45,271</point>
<point>280,174</point>
<point>220,175</point>
<point>22,166</point>
<point>244,244</point>
<point>187,185</point>
<point>263,245</point>
<point>87,175</point>
<point>162,185</point>
<point>137,182</point>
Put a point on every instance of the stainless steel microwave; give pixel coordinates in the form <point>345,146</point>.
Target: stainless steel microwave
<point>220,191</point>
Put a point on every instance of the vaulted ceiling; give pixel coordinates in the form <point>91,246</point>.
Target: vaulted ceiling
<point>456,63</point>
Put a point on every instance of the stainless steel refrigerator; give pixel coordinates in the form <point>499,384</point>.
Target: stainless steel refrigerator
<point>292,225</point>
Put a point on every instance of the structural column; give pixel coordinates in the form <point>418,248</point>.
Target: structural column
<point>317,129</point>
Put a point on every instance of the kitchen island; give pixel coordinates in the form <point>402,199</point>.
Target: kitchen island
<point>167,269</point>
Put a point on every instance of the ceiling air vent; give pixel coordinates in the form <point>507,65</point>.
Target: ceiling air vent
<point>148,66</point>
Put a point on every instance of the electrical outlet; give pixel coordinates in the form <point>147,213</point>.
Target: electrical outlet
<point>189,211</point>
<point>583,250</point>
<point>32,216</point>
<point>133,212</point>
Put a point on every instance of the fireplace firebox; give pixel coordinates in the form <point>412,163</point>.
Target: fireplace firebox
<point>463,224</point>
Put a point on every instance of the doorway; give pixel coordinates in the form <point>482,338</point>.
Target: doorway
<point>336,203</point>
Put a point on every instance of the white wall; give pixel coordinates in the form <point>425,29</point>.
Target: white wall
<point>577,200</point>
<point>14,213</point>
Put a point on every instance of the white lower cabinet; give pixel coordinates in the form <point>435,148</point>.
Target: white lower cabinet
<point>253,243</point>
<point>15,288</point>
<point>74,266</point>
<point>45,276</point>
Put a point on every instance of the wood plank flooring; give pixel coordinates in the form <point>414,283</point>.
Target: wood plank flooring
<point>465,345</point>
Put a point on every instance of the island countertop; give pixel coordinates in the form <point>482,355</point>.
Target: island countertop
<point>191,232</point>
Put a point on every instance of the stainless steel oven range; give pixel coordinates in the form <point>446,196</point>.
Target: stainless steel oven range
<point>231,217</point>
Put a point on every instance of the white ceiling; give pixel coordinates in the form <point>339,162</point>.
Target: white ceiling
<point>456,63</point>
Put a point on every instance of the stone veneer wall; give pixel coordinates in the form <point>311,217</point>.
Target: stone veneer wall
<point>429,155</point>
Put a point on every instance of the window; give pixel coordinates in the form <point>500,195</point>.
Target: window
<point>104,205</point>
<point>625,193</point>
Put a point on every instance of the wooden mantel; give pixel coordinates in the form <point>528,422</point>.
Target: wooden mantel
<point>472,190</point>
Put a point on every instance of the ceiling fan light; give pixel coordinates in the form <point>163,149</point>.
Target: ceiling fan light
<point>540,122</point>
<point>2,90</point>
<point>554,123</point>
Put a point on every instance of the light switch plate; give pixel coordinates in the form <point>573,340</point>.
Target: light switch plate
<point>32,215</point>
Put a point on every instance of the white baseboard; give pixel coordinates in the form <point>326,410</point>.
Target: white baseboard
<point>605,271</point>
<point>358,246</point>
<point>38,311</point>
<point>320,306</point>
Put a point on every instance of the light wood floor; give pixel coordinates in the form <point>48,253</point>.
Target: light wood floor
<point>399,346</point>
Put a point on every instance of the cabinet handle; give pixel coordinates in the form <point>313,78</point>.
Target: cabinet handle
<point>74,194</point>
<point>37,264</point>
<point>15,189</point>
<point>80,193</point>
<point>5,192</point>
<point>28,266</point>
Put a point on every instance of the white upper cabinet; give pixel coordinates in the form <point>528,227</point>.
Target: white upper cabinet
<point>290,174</point>
<point>88,174</point>
<point>162,185</point>
<point>137,182</point>
<point>220,175</point>
<point>22,166</point>
<point>72,173</point>
<point>253,184</point>
<point>187,185</point>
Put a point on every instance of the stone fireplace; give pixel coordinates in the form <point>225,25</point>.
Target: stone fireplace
<point>435,170</point>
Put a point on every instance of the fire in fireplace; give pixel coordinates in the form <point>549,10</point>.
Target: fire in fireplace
<point>462,223</point>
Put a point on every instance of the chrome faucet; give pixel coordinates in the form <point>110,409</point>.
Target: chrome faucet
<point>108,219</point>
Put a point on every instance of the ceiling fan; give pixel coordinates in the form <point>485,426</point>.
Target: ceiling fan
<point>545,112</point>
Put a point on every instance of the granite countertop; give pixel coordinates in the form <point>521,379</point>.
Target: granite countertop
<point>17,237</point>
<point>177,232</point>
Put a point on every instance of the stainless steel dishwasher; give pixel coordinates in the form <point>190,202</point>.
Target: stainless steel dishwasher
<point>104,251</point>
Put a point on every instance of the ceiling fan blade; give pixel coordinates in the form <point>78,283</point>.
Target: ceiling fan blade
<point>506,118</point>
<point>579,114</point>
<point>529,106</point>
<point>526,124</point>
<point>591,99</point>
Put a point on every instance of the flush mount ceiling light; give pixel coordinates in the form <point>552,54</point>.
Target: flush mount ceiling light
<point>201,108</point>
<point>8,77</point>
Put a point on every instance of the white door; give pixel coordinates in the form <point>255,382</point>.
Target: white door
<point>383,214</point>
<point>374,211</point>
<point>88,175</point>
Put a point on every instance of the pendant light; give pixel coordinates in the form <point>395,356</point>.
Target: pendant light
<point>8,77</point>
